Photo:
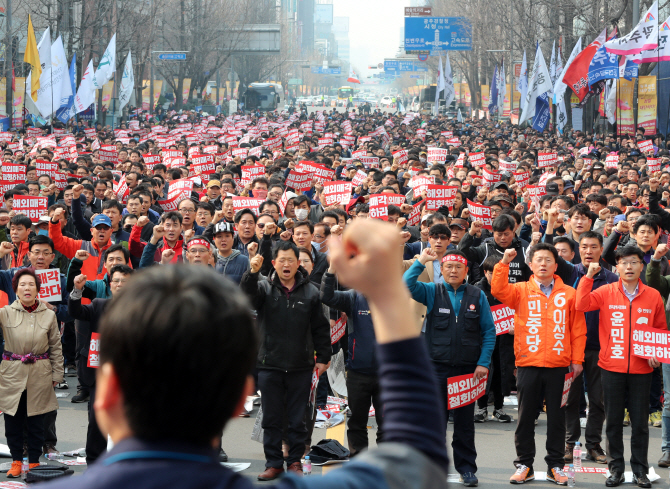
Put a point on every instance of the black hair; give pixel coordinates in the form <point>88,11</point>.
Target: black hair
<point>591,235</point>
<point>304,223</point>
<point>242,212</point>
<point>436,229</point>
<point>502,223</point>
<point>116,247</point>
<point>490,262</point>
<point>21,220</point>
<point>112,204</point>
<point>122,269</point>
<point>285,246</point>
<point>172,216</point>
<point>542,247</point>
<point>40,239</point>
<point>629,250</point>
<point>161,315</point>
<point>648,220</point>
<point>568,241</point>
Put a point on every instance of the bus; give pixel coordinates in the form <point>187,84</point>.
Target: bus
<point>264,97</point>
<point>344,93</point>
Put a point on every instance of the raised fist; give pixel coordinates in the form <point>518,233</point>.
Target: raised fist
<point>509,255</point>
<point>256,263</point>
<point>82,255</point>
<point>142,221</point>
<point>80,281</point>
<point>594,268</point>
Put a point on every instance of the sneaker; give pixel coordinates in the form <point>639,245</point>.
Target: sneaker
<point>49,448</point>
<point>596,454</point>
<point>62,385</point>
<point>655,419</point>
<point>480,415</point>
<point>81,396</point>
<point>568,456</point>
<point>522,474</point>
<point>15,471</point>
<point>32,466</point>
<point>557,476</point>
<point>626,418</point>
<point>71,370</point>
<point>469,479</point>
<point>501,416</point>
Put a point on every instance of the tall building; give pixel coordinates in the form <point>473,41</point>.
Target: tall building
<point>341,33</point>
<point>305,20</point>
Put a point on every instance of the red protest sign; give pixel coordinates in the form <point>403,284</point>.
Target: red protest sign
<point>151,160</point>
<point>370,161</point>
<point>415,216</point>
<point>454,142</point>
<point>507,166</point>
<point>94,351</point>
<point>566,388</point>
<point>647,342</point>
<point>46,168</point>
<point>251,172</point>
<point>479,212</point>
<point>503,318</point>
<point>32,207</point>
<point>108,152</point>
<point>202,165</point>
<point>359,178</point>
<point>464,389</point>
<point>13,173</point>
<point>121,190</point>
<point>338,328</point>
<point>522,178</point>
<point>337,192</point>
<point>283,201</point>
<point>439,195</point>
<point>50,288</point>
<point>646,146</point>
<point>298,180</point>
<point>240,203</point>
<point>546,159</point>
<point>654,164</point>
<point>477,159</point>
<point>320,172</point>
<point>536,191</point>
<point>490,177</point>
<point>420,183</point>
<point>379,207</point>
<point>612,160</point>
<point>179,190</point>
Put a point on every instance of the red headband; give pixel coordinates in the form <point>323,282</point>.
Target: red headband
<point>457,258</point>
<point>199,241</point>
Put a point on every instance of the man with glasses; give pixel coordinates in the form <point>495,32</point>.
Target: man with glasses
<point>626,376</point>
<point>460,334</point>
<point>286,361</point>
<point>187,210</point>
<point>275,192</point>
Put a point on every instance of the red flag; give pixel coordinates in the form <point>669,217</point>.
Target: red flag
<point>577,76</point>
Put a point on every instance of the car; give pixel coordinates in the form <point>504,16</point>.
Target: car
<point>386,101</point>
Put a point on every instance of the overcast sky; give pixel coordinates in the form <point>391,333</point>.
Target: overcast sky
<point>374,30</point>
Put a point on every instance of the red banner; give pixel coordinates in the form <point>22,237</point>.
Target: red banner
<point>479,212</point>
<point>240,203</point>
<point>503,318</point>
<point>439,195</point>
<point>32,207</point>
<point>546,159</point>
<point>298,180</point>
<point>651,343</point>
<point>337,192</point>
<point>477,159</point>
<point>464,390</point>
<point>566,388</point>
<point>379,207</point>
<point>94,351</point>
<point>646,146</point>
<point>338,329</point>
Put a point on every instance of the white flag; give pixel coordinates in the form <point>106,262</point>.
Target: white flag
<point>459,117</point>
<point>660,53</point>
<point>610,100</point>
<point>449,91</point>
<point>440,86</point>
<point>107,65</point>
<point>65,84</point>
<point>86,92</point>
<point>502,89</point>
<point>28,100</point>
<point>522,82</point>
<point>127,83</point>
<point>43,100</point>
<point>559,86</point>
<point>643,37</point>
<point>552,64</point>
<point>538,84</point>
<point>559,64</point>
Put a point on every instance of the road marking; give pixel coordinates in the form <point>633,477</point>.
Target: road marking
<point>335,433</point>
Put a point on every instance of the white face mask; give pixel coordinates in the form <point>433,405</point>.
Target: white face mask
<point>301,214</point>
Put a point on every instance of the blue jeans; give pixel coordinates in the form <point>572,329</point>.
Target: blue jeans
<point>665,443</point>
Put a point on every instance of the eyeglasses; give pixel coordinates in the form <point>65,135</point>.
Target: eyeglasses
<point>627,264</point>
<point>41,253</point>
<point>187,211</point>
<point>198,251</point>
<point>436,237</point>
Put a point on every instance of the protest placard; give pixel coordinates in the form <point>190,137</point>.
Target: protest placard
<point>337,192</point>
<point>50,288</point>
<point>546,159</point>
<point>479,212</point>
<point>464,389</point>
<point>338,329</point>
<point>31,206</point>
<point>503,318</point>
<point>439,196</point>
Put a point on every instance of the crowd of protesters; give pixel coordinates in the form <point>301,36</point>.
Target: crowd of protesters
<point>575,245</point>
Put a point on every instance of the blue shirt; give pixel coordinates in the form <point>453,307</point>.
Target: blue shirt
<point>425,294</point>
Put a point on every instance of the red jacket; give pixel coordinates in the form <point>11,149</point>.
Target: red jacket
<point>136,246</point>
<point>618,317</point>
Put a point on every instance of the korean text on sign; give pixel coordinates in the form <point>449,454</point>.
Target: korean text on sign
<point>50,290</point>
<point>94,351</point>
<point>503,318</point>
<point>33,207</point>
<point>464,389</point>
<point>651,343</point>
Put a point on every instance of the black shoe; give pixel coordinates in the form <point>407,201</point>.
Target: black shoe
<point>469,479</point>
<point>664,461</point>
<point>615,478</point>
<point>223,457</point>
<point>81,396</point>
<point>641,480</point>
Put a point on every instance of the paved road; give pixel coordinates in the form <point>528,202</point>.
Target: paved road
<point>495,445</point>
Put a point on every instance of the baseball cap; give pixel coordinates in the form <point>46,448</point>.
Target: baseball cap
<point>501,185</point>
<point>461,223</point>
<point>42,219</point>
<point>214,183</point>
<point>224,227</point>
<point>552,188</point>
<point>101,219</point>
<point>504,198</point>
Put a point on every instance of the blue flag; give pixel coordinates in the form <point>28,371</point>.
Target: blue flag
<point>542,113</point>
<point>603,66</point>
<point>631,69</point>
<point>493,101</point>
<point>66,112</point>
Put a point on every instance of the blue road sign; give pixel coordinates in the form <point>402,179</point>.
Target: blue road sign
<point>320,70</point>
<point>438,34</point>
<point>172,56</point>
<point>415,76</point>
<point>396,65</point>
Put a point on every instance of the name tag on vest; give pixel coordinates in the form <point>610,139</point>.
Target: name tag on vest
<point>444,311</point>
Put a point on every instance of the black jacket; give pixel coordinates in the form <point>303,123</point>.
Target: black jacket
<point>268,243</point>
<point>292,325</point>
<point>519,270</point>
